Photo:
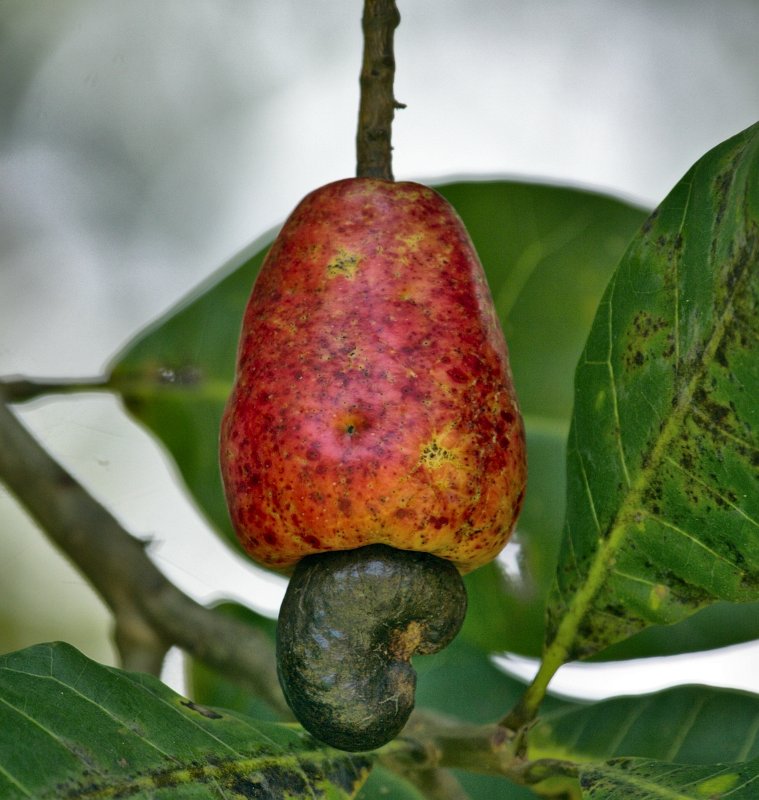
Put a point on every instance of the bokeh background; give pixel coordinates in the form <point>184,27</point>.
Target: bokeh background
<point>143,144</point>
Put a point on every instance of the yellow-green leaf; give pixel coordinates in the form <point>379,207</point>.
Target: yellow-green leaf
<point>639,779</point>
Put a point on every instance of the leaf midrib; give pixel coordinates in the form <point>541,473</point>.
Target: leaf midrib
<point>195,773</point>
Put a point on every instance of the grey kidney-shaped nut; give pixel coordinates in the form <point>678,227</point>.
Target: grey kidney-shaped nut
<point>348,626</point>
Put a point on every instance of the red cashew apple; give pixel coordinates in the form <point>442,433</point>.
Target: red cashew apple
<point>373,407</point>
<point>374,401</point>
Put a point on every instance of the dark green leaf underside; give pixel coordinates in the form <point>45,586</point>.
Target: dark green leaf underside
<point>686,724</point>
<point>663,462</point>
<point>71,728</point>
<point>176,376</point>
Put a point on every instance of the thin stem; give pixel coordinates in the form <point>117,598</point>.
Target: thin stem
<point>20,390</point>
<point>150,613</point>
<point>527,707</point>
<point>377,105</point>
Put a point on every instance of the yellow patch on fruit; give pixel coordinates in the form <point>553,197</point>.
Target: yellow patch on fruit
<point>413,240</point>
<point>343,265</point>
<point>434,455</point>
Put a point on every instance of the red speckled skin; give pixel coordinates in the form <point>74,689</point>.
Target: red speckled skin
<point>374,401</point>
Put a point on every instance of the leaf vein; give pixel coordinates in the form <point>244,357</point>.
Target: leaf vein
<point>92,702</point>
<point>749,741</point>
<point>739,440</point>
<point>693,539</point>
<point>15,782</point>
<point>52,734</point>
<point>685,729</point>
<point>711,491</point>
<point>625,728</point>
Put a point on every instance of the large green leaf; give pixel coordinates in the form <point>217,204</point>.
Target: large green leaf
<point>639,779</point>
<point>663,478</point>
<point>548,253</point>
<point>72,728</point>
<point>686,724</point>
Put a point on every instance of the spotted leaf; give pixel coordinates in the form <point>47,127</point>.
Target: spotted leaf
<point>640,779</point>
<point>71,728</point>
<point>663,454</point>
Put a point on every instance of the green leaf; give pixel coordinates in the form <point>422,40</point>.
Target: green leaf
<point>639,779</point>
<point>487,787</point>
<point>663,511</point>
<point>386,785</point>
<point>548,252</point>
<point>686,724</point>
<point>718,625</point>
<point>70,727</point>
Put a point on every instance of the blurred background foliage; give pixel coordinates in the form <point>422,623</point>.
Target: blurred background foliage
<point>143,144</point>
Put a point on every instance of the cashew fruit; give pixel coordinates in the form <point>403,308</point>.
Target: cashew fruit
<point>373,402</point>
<point>373,405</point>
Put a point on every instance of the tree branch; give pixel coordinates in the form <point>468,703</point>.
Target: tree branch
<point>377,105</point>
<point>150,613</point>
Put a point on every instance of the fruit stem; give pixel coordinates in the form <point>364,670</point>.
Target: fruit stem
<point>377,105</point>
<point>16,389</point>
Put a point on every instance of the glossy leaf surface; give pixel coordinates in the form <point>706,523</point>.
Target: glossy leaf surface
<point>663,464</point>
<point>686,724</point>
<point>102,732</point>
